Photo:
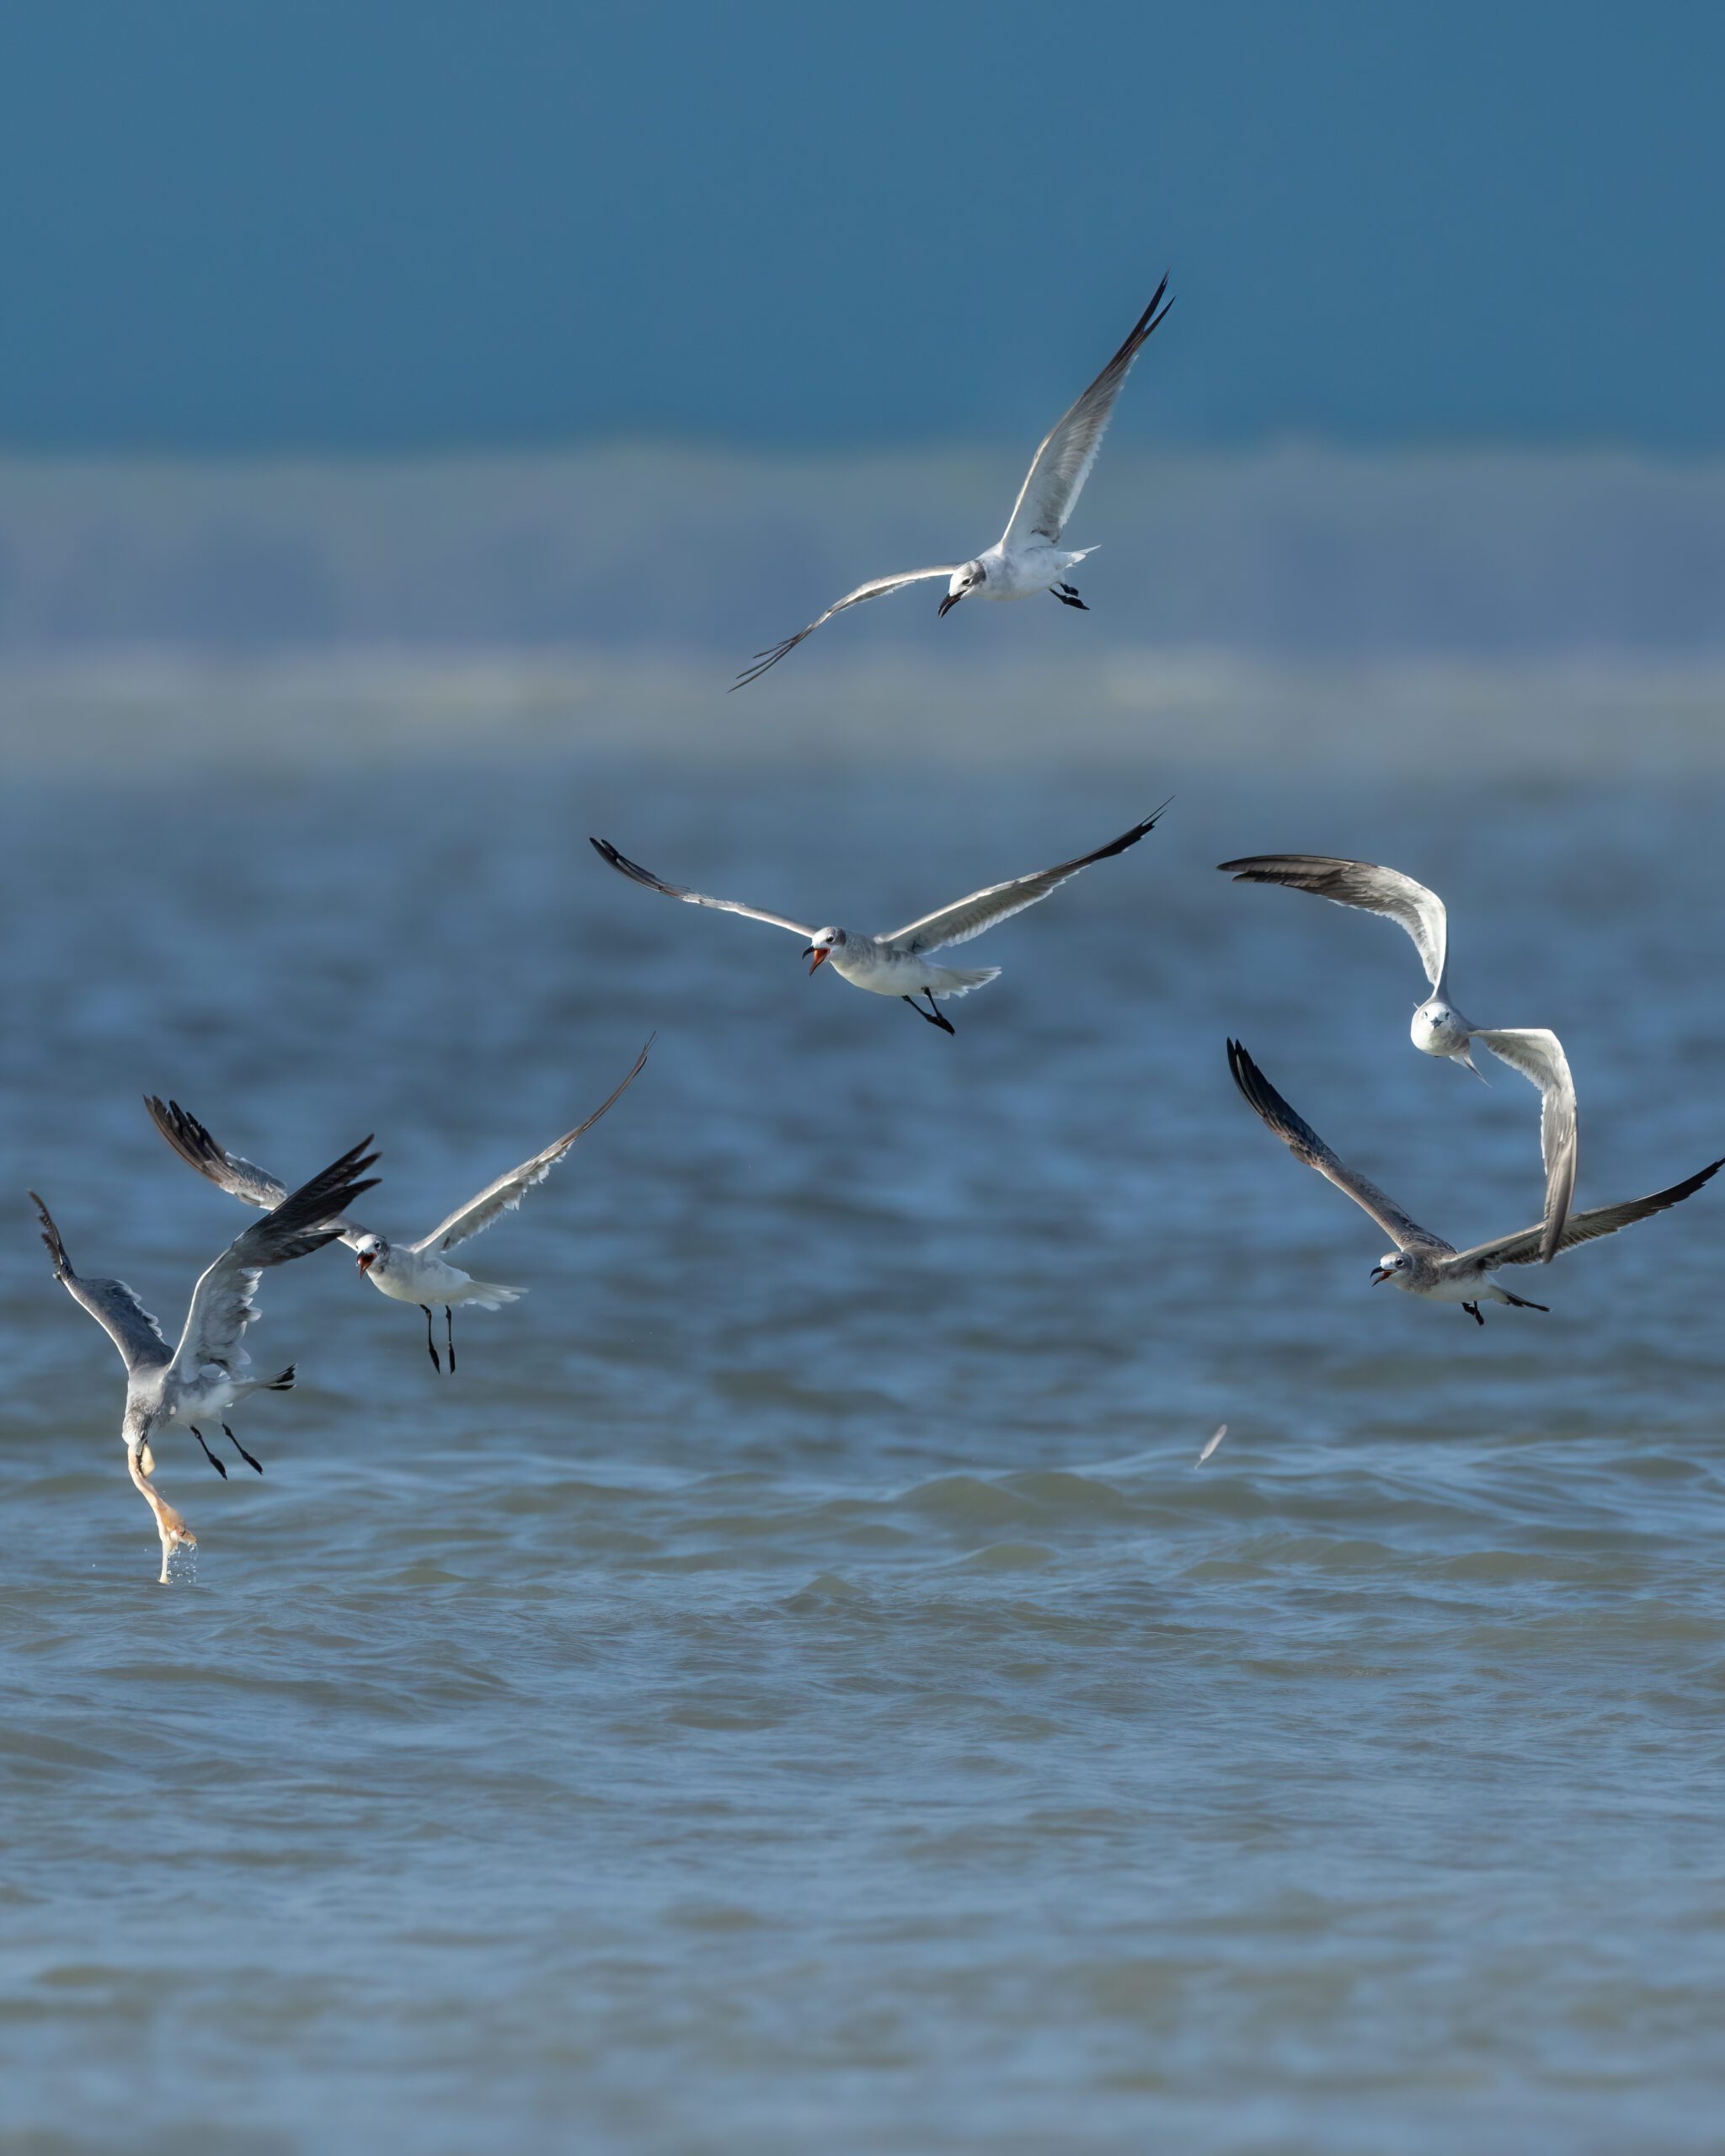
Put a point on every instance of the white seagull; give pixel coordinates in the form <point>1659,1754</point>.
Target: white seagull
<point>900,964</point>
<point>409,1272</point>
<point>1438,1028</point>
<point>198,1380</point>
<point>1028,557</point>
<point>1423,1263</point>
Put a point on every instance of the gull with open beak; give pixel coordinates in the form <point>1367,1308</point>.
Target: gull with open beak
<point>1028,557</point>
<point>200,1380</point>
<point>1438,1028</point>
<point>1422,1263</point>
<point>902,963</point>
<point>407,1272</point>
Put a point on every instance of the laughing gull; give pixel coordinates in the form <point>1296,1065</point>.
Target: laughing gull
<point>409,1272</point>
<point>899,965</point>
<point>198,1380</point>
<point>1423,1263</point>
<point>1028,557</point>
<point>1438,1028</point>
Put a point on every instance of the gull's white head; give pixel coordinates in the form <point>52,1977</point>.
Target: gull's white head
<point>1391,1265</point>
<point>970,578</point>
<point>1436,1029</point>
<point>826,941</point>
<point>367,1252</point>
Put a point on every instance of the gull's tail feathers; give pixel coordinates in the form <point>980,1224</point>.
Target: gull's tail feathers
<point>964,978</point>
<point>489,1296</point>
<point>283,1381</point>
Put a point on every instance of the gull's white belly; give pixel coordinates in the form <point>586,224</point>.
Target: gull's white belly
<point>890,974</point>
<point>1021,575</point>
<point>1449,1289</point>
<point>411,1278</point>
<point>214,1393</point>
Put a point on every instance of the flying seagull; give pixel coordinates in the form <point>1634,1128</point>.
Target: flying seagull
<point>1028,557</point>
<point>1423,1263</point>
<point>410,1272</point>
<point>900,964</point>
<point>1438,1028</point>
<point>198,1380</point>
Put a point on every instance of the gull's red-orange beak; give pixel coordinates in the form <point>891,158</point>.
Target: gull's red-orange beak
<point>948,604</point>
<point>366,1260</point>
<point>818,957</point>
<point>1379,1273</point>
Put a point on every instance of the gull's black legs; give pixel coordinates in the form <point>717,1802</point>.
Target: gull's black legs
<point>932,1016</point>
<point>430,1344</point>
<point>256,1465</point>
<point>1472,1310</point>
<point>220,1469</point>
<point>1068,596</point>
<point>449,1326</point>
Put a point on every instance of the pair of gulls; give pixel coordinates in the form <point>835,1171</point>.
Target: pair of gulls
<point>1423,1263</point>
<point>199,1379</point>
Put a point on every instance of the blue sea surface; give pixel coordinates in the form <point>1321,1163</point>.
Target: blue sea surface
<point>794,1688</point>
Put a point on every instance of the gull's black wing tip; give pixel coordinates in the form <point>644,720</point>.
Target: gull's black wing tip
<point>633,870</point>
<point>1150,320</point>
<point>1257,867</point>
<point>1257,1090</point>
<point>622,864</point>
<point>50,1238</point>
<point>185,1133</point>
<point>764,660</point>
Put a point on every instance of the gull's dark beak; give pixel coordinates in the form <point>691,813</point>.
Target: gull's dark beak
<point>948,604</point>
<point>366,1260</point>
<point>817,956</point>
<point>1379,1273</point>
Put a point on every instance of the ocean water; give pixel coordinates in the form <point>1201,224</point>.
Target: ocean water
<point>794,1688</point>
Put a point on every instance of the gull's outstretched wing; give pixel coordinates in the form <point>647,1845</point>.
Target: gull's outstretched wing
<point>625,867</point>
<point>1538,1054</point>
<point>1060,467</point>
<point>1360,883</point>
<point>111,1303</point>
<point>222,1306</point>
<point>876,588</point>
<point>239,1178</point>
<point>1527,1246</point>
<point>1298,1136</point>
<point>968,917</point>
<point>503,1195</point>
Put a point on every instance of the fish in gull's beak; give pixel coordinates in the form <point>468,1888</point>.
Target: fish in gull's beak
<point>817,956</point>
<point>948,604</point>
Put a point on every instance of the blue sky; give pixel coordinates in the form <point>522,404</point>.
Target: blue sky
<point>400,226</point>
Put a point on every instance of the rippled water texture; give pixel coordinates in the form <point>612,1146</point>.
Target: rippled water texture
<point>794,1689</point>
